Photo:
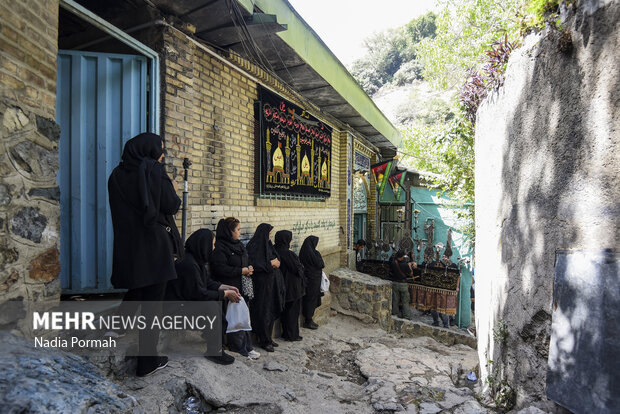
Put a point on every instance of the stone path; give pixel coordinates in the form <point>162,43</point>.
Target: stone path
<point>343,367</point>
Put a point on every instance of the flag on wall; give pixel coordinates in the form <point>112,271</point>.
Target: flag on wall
<point>381,172</point>
<point>397,182</point>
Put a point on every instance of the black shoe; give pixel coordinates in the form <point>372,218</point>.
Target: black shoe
<point>268,347</point>
<point>299,338</point>
<point>223,359</point>
<point>284,338</point>
<point>275,345</point>
<point>162,362</point>
<point>311,325</point>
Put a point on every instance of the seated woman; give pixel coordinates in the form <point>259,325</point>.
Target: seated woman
<point>229,262</point>
<point>194,281</point>
<point>267,305</point>
<point>293,273</point>
<point>313,264</point>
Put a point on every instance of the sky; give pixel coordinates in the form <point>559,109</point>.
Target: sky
<point>344,24</point>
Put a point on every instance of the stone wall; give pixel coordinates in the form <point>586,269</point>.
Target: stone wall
<point>547,178</point>
<point>362,296</point>
<point>29,195</point>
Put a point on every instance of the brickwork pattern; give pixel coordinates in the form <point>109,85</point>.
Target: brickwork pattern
<point>28,49</point>
<point>209,118</point>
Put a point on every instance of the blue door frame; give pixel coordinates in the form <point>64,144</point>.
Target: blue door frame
<point>101,103</point>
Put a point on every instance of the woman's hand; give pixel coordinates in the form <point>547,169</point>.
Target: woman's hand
<point>247,271</point>
<point>232,296</point>
<point>275,263</point>
<point>228,287</point>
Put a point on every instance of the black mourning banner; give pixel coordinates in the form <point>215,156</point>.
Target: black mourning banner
<point>295,149</point>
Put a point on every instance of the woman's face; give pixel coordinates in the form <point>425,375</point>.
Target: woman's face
<point>161,157</point>
<point>236,234</point>
<point>213,242</point>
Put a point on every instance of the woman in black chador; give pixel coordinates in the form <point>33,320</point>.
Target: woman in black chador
<point>267,304</point>
<point>313,270</point>
<point>142,202</point>
<point>293,273</point>
<point>194,281</point>
<point>229,262</point>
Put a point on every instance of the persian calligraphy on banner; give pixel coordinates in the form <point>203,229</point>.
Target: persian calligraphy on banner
<point>294,148</point>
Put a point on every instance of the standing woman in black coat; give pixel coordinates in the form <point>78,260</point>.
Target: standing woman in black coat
<point>229,262</point>
<point>142,202</point>
<point>313,270</point>
<point>267,305</point>
<point>293,273</point>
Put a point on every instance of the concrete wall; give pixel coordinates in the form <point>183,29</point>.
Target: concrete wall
<point>29,195</point>
<point>547,178</point>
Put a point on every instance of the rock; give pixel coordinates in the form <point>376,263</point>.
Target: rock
<point>29,223</point>
<point>8,256</point>
<point>470,407</point>
<point>14,119</point>
<point>45,380</point>
<point>274,366</point>
<point>7,280</point>
<point>531,410</point>
<point>49,128</point>
<point>52,194</point>
<point>429,408</point>
<point>286,392</point>
<point>34,159</point>
<point>324,375</point>
<point>46,267</point>
<point>388,406</point>
<point>5,195</point>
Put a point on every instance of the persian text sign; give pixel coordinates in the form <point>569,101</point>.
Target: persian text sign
<point>295,149</point>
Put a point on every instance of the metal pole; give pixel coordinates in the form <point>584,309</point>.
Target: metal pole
<point>186,164</point>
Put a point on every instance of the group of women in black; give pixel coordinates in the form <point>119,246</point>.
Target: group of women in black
<point>272,279</point>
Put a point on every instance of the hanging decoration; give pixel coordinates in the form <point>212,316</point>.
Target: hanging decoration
<point>295,148</point>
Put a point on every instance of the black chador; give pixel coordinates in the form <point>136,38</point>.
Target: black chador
<point>313,269</point>
<point>268,300</point>
<point>142,202</point>
<point>229,257</point>
<point>227,263</point>
<point>293,273</point>
<point>194,282</point>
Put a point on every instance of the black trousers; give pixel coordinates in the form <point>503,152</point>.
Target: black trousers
<point>152,297</point>
<point>290,319</point>
<point>312,298</point>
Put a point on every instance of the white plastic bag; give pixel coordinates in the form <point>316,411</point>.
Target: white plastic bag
<point>324,283</point>
<point>238,317</point>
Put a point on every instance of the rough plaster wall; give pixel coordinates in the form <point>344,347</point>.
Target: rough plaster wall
<point>547,169</point>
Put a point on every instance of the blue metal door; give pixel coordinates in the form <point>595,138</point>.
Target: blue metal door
<point>101,103</point>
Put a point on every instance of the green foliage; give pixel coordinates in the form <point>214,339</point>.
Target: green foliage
<point>465,30</point>
<point>540,10</point>
<point>500,332</point>
<point>391,55</point>
<point>446,149</point>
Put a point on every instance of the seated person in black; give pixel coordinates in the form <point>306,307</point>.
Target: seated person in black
<point>400,270</point>
<point>194,281</point>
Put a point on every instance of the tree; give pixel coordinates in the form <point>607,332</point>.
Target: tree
<point>465,30</point>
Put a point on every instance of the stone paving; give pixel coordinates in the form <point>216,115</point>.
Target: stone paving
<point>345,366</point>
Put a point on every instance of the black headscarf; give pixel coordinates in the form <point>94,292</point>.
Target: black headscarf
<point>261,250</point>
<point>283,240</point>
<point>309,255</point>
<point>194,281</point>
<point>139,157</point>
<point>224,239</point>
<point>200,245</point>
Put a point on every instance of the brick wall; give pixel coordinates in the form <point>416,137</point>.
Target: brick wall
<point>29,195</point>
<point>209,118</point>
